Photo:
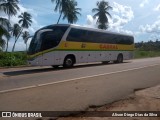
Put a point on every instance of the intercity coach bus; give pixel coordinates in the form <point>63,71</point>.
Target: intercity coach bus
<point>66,45</point>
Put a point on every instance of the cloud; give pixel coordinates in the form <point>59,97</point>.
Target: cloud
<point>123,14</point>
<point>154,37</point>
<point>157,8</point>
<point>153,28</point>
<point>144,2</point>
<point>91,22</point>
<point>121,17</point>
<point>42,10</point>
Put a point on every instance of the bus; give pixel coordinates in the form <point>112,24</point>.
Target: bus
<point>66,45</point>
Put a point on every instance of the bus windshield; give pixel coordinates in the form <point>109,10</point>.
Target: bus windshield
<point>46,38</point>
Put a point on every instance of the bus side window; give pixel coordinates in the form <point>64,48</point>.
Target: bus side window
<point>77,35</point>
<point>111,39</point>
<point>93,37</point>
<point>73,35</point>
<point>125,40</point>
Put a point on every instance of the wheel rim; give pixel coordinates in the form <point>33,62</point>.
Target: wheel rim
<point>69,62</point>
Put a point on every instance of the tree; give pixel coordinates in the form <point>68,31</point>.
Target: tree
<point>15,32</point>
<point>72,12</point>
<point>3,32</point>
<point>61,6</point>
<point>4,25</point>
<point>25,36</point>
<point>66,6</point>
<point>25,21</point>
<point>10,7</point>
<point>102,14</point>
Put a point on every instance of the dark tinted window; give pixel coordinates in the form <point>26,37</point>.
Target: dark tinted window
<point>99,37</point>
<point>93,36</point>
<point>124,40</point>
<point>79,35</point>
<point>47,39</point>
<point>51,39</point>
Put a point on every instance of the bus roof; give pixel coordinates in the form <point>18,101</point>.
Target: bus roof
<point>88,28</point>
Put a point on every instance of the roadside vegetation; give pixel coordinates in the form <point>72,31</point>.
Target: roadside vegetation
<point>13,59</point>
<point>147,49</point>
<point>146,54</point>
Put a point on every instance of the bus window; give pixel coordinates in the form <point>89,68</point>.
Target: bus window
<point>46,38</point>
<point>93,37</point>
<point>51,39</point>
<point>124,40</point>
<point>77,35</point>
<point>97,37</point>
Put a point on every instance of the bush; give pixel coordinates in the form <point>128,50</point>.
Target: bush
<point>13,59</point>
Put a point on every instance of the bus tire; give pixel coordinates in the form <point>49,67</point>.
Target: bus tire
<point>68,62</point>
<point>119,58</point>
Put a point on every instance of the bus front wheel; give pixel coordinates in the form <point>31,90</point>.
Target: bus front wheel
<point>68,62</point>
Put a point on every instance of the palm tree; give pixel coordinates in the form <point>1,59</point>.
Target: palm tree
<point>61,6</point>
<point>10,7</point>
<point>15,32</point>
<point>3,32</point>
<point>4,26</point>
<point>25,37</point>
<point>25,21</point>
<point>102,14</point>
<point>5,22</point>
<point>72,12</point>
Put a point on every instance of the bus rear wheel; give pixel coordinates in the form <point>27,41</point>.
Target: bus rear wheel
<point>68,62</point>
<point>119,58</point>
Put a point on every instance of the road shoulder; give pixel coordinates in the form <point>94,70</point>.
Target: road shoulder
<point>142,100</point>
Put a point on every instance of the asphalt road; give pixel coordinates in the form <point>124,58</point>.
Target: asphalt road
<point>48,89</point>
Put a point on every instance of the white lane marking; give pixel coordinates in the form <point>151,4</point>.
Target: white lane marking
<point>74,79</point>
<point>17,89</point>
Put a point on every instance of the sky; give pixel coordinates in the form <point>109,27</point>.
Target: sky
<point>140,18</point>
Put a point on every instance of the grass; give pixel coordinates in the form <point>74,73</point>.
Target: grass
<point>146,54</point>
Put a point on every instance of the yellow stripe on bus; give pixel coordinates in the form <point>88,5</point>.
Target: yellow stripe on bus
<point>94,46</point>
